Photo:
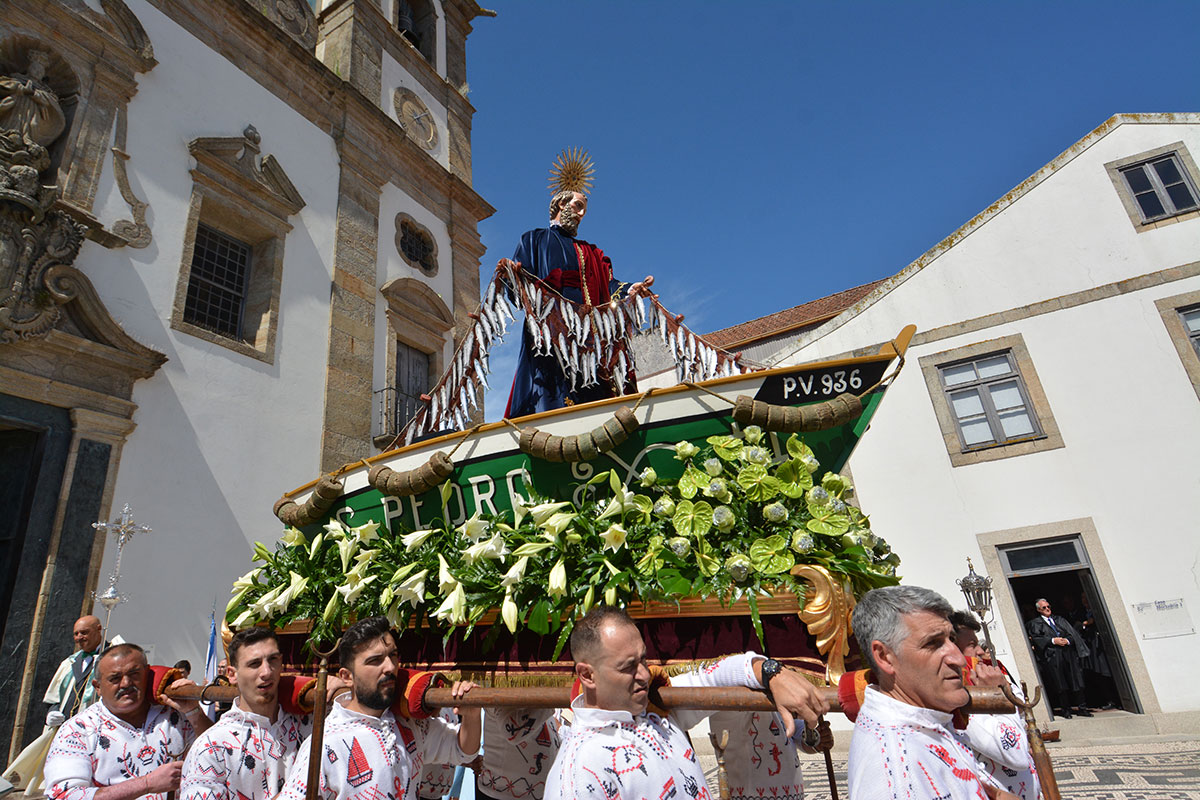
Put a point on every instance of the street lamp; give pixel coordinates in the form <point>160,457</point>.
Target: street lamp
<point>978,591</point>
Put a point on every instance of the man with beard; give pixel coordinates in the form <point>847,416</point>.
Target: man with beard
<point>617,748</point>
<point>581,273</point>
<point>248,753</point>
<point>367,750</point>
<point>906,743</point>
<point>125,746</point>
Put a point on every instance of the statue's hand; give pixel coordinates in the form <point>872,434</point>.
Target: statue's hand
<point>642,287</point>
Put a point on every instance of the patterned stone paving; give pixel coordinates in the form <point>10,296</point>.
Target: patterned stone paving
<point>1157,770</point>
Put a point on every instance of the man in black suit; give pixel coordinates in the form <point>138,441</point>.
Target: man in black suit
<point>1059,648</point>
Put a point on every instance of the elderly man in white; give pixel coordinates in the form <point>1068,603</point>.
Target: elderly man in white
<point>905,744</point>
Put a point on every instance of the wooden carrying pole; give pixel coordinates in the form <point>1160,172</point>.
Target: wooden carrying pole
<point>984,699</point>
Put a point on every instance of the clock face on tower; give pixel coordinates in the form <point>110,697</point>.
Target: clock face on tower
<point>415,117</point>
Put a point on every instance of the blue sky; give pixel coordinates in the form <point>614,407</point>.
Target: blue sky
<point>757,155</point>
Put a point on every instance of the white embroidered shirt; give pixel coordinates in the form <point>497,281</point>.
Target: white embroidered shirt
<point>244,756</point>
<point>374,758</point>
<point>95,748</point>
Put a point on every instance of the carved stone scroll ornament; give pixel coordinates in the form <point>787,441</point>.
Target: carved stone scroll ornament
<point>826,613</point>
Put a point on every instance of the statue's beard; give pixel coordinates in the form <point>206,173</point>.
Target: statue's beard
<point>568,221</point>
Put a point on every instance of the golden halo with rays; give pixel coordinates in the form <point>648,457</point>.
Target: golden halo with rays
<point>572,171</point>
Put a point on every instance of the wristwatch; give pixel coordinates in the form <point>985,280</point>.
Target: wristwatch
<point>770,668</point>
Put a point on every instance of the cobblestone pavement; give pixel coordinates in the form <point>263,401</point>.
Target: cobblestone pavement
<point>1151,768</point>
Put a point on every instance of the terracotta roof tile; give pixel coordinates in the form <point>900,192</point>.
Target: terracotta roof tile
<point>790,319</point>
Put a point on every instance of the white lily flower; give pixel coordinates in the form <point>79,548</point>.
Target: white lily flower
<point>247,580</point>
<point>293,537</point>
<point>520,507</point>
<point>543,511</point>
<point>454,607</point>
<point>558,580</point>
<point>365,556</point>
<point>488,548</point>
<point>412,541</point>
<point>474,528</point>
<point>336,529</point>
<point>617,505</point>
<point>263,604</point>
<point>508,612</point>
<point>557,523</point>
<point>245,618</point>
<point>237,598</point>
<point>367,531</point>
<point>295,589</point>
<point>393,615</point>
<point>315,546</point>
<point>446,581</point>
<point>412,591</point>
<point>516,572</point>
<point>346,548</point>
<point>331,607</point>
<point>614,537</point>
<point>355,583</point>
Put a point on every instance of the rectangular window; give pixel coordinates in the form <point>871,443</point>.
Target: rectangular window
<point>989,401</point>
<point>1161,187</point>
<point>1191,325</point>
<point>216,292</point>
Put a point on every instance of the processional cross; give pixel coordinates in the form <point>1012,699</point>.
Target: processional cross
<point>125,529</point>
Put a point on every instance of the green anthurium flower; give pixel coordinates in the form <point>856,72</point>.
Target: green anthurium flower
<point>692,481</point>
<point>727,448</point>
<point>649,562</point>
<point>794,479</point>
<point>557,585</point>
<point>826,520</point>
<point>756,483</point>
<point>704,559</point>
<point>796,447</point>
<point>644,507</point>
<point>509,612</point>
<point>771,555</point>
<point>292,537</point>
<point>692,519</point>
<point>412,541</point>
<point>738,566</point>
<point>837,485</point>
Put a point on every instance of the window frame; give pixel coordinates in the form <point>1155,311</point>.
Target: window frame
<point>1171,309</point>
<point>990,413</point>
<point>1187,169</point>
<point>240,293</point>
<point>1038,407</point>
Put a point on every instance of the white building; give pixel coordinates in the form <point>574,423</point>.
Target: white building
<point>1048,419</point>
<point>259,226</point>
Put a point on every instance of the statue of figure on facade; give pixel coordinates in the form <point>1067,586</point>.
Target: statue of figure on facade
<point>29,105</point>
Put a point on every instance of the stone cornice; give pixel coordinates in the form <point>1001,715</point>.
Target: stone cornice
<point>252,43</point>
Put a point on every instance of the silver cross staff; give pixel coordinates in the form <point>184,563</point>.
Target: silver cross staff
<point>125,528</point>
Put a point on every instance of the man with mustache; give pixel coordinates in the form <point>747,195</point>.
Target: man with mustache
<point>617,747</point>
<point>906,743</point>
<point>367,750</point>
<point>125,746</point>
<point>581,273</point>
<point>249,752</point>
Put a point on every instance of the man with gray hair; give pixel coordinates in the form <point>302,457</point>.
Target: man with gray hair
<point>906,742</point>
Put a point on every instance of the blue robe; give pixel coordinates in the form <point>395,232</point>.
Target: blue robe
<point>547,253</point>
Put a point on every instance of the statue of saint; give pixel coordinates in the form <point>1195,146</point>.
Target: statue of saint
<point>29,105</point>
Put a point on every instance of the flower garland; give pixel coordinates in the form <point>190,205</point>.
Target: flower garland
<point>732,526</point>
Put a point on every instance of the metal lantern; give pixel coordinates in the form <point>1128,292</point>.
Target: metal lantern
<point>978,591</point>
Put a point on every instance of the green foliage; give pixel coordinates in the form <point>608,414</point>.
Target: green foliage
<point>551,560</point>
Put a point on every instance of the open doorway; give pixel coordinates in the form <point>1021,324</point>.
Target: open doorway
<point>1059,571</point>
<point>20,459</point>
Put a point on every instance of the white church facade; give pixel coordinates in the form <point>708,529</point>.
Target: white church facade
<point>237,240</point>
